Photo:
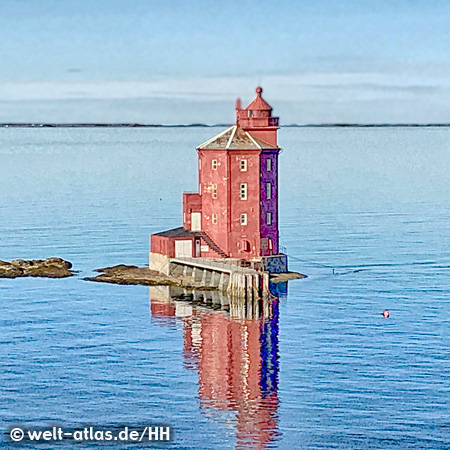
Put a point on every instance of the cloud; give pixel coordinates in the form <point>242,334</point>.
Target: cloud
<point>298,87</point>
<point>412,94</point>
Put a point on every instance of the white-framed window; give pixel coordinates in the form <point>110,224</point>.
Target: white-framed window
<point>214,218</point>
<point>214,191</point>
<point>250,113</point>
<point>269,165</point>
<point>268,191</point>
<point>243,165</point>
<point>243,191</point>
<point>269,218</point>
<point>244,219</point>
<point>214,164</point>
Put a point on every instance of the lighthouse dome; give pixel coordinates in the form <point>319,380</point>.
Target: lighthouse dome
<point>259,104</point>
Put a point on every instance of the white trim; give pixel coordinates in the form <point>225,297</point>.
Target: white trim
<point>269,190</point>
<point>231,137</point>
<point>243,190</point>
<point>215,137</point>
<point>253,140</point>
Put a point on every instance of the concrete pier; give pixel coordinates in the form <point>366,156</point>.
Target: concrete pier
<point>226,276</point>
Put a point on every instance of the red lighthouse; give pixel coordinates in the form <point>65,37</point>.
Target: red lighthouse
<point>235,212</point>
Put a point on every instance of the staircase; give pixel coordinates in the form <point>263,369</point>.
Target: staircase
<point>212,245</point>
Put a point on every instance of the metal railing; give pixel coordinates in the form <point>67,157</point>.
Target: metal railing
<point>213,265</point>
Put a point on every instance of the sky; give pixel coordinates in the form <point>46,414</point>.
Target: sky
<point>174,61</point>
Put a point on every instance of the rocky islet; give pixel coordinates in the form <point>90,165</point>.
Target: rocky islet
<point>46,268</point>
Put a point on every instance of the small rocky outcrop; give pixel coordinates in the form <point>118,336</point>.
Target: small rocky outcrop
<point>285,276</point>
<point>123,274</point>
<point>47,268</point>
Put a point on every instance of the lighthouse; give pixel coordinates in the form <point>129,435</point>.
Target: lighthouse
<point>234,214</point>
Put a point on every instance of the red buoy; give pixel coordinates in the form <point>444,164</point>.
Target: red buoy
<point>385,314</point>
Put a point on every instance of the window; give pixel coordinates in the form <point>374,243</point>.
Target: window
<point>250,113</point>
<point>243,165</point>
<point>214,164</point>
<point>244,219</point>
<point>269,165</point>
<point>269,218</point>
<point>214,191</point>
<point>243,192</point>
<point>214,218</point>
<point>245,245</point>
<point>268,191</point>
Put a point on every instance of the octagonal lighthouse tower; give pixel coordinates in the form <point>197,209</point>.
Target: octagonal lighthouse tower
<point>235,212</point>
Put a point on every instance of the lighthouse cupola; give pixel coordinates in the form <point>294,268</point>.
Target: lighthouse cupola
<point>257,119</point>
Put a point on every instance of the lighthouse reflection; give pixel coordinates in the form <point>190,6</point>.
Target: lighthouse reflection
<point>233,344</point>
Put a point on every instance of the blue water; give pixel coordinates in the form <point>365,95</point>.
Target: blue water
<point>322,370</point>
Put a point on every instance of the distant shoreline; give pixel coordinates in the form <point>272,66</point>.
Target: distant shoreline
<point>202,125</point>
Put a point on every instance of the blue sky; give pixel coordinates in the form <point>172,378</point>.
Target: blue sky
<point>327,60</point>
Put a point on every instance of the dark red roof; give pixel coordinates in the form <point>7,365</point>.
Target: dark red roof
<point>259,103</point>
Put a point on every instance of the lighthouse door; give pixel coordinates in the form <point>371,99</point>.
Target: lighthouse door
<point>183,248</point>
<point>196,218</point>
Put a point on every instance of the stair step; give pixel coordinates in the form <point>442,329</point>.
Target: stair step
<point>213,245</point>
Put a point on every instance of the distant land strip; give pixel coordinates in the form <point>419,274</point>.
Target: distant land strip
<point>203,125</point>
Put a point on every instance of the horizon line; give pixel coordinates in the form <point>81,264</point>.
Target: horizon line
<point>204,125</point>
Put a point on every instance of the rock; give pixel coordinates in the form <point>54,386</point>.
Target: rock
<point>121,268</point>
<point>21,263</point>
<point>123,274</point>
<point>10,271</point>
<point>58,262</point>
<point>286,276</point>
<point>49,268</point>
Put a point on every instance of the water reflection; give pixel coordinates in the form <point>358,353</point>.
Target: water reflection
<point>233,343</point>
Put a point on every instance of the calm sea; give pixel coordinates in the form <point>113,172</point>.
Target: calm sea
<point>365,213</point>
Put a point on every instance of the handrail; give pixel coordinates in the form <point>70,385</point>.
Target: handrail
<point>203,262</point>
